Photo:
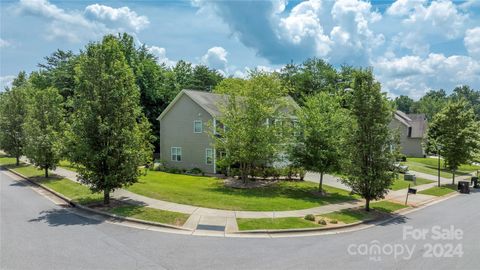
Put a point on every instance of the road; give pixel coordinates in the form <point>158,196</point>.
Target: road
<point>37,234</point>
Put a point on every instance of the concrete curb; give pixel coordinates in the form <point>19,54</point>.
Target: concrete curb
<point>392,216</point>
<point>103,213</point>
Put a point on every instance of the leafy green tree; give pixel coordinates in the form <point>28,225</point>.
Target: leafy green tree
<point>430,104</point>
<point>454,128</point>
<point>370,141</point>
<point>312,76</point>
<point>404,103</point>
<point>12,116</point>
<point>44,128</point>
<point>109,136</point>
<point>254,134</point>
<point>322,123</point>
<point>470,95</point>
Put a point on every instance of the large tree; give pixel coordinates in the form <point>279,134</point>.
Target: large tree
<point>109,134</point>
<point>12,116</point>
<point>404,103</point>
<point>312,76</point>
<point>370,141</point>
<point>455,130</point>
<point>322,126</point>
<point>44,128</point>
<point>431,103</point>
<point>253,135</point>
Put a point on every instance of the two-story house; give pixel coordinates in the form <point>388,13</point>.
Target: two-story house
<point>412,129</point>
<point>185,142</point>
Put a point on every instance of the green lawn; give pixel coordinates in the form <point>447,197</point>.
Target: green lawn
<point>430,166</point>
<point>401,184</point>
<point>210,192</point>
<point>274,224</point>
<point>439,191</point>
<point>4,160</point>
<point>150,214</point>
<point>68,165</point>
<point>348,216</point>
<point>387,206</point>
<point>73,190</point>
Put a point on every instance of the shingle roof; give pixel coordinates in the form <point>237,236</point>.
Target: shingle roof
<point>210,101</point>
<point>418,123</point>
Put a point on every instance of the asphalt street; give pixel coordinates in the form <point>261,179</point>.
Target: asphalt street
<point>37,234</point>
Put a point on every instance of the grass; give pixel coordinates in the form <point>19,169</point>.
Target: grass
<point>274,224</point>
<point>387,206</point>
<point>348,216</point>
<point>68,165</point>
<point>439,191</point>
<point>73,190</point>
<point>150,214</point>
<point>430,166</point>
<point>402,184</point>
<point>210,192</point>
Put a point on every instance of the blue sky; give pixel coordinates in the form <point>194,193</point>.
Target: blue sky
<point>413,46</point>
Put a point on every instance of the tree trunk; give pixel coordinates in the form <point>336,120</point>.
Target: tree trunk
<point>367,205</point>
<point>18,161</point>
<point>106,196</point>
<point>453,177</point>
<point>320,183</point>
<point>46,172</point>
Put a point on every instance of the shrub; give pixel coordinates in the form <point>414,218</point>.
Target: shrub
<point>310,217</point>
<point>196,171</point>
<point>322,222</point>
<point>174,170</point>
<point>301,173</point>
<point>333,221</point>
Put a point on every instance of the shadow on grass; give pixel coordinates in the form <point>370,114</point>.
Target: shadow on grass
<point>63,217</point>
<point>286,190</point>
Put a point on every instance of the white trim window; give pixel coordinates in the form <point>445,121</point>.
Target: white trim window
<point>197,126</point>
<point>176,153</point>
<point>208,156</point>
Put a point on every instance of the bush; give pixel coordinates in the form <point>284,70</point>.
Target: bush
<point>196,171</point>
<point>174,170</point>
<point>310,217</point>
<point>322,222</point>
<point>333,221</point>
<point>402,158</point>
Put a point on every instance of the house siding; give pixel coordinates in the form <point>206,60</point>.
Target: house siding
<point>176,130</point>
<point>411,147</point>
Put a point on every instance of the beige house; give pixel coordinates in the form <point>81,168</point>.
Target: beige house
<point>185,141</point>
<point>412,129</point>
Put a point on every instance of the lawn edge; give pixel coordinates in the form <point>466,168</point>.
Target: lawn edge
<point>85,208</point>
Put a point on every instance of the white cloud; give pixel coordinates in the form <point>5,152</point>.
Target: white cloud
<point>117,17</point>
<point>75,26</point>
<point>414,75</point>
<point>6,81</point>
<point>216,57</point>
<point>161,54</point>
<point>404,7</point>
<point>5,43</point>
<point>472,42</point>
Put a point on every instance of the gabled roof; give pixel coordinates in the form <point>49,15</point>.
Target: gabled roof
<point>208,101</point>
<point>418,123</point>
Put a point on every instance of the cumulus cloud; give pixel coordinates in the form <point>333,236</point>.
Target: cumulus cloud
<point>414,75</point>
<point>472,42</point>
<point>216,57</point>
<point>161,54</point>
<point>4,43</point>
<point>75,26</point>
<point>6,81</point>
<point>117,17</point>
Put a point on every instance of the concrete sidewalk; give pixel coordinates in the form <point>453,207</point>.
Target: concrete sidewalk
<point>205,220</point>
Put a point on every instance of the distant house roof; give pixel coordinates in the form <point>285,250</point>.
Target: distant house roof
<point>418,123</point>
<point>209,101</point>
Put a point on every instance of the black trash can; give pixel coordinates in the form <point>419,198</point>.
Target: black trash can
<point>464,187</point>
<point>474,182</point>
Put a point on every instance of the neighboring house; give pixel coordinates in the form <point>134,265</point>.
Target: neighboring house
<point>185,142</point>
<point>412,129</point>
